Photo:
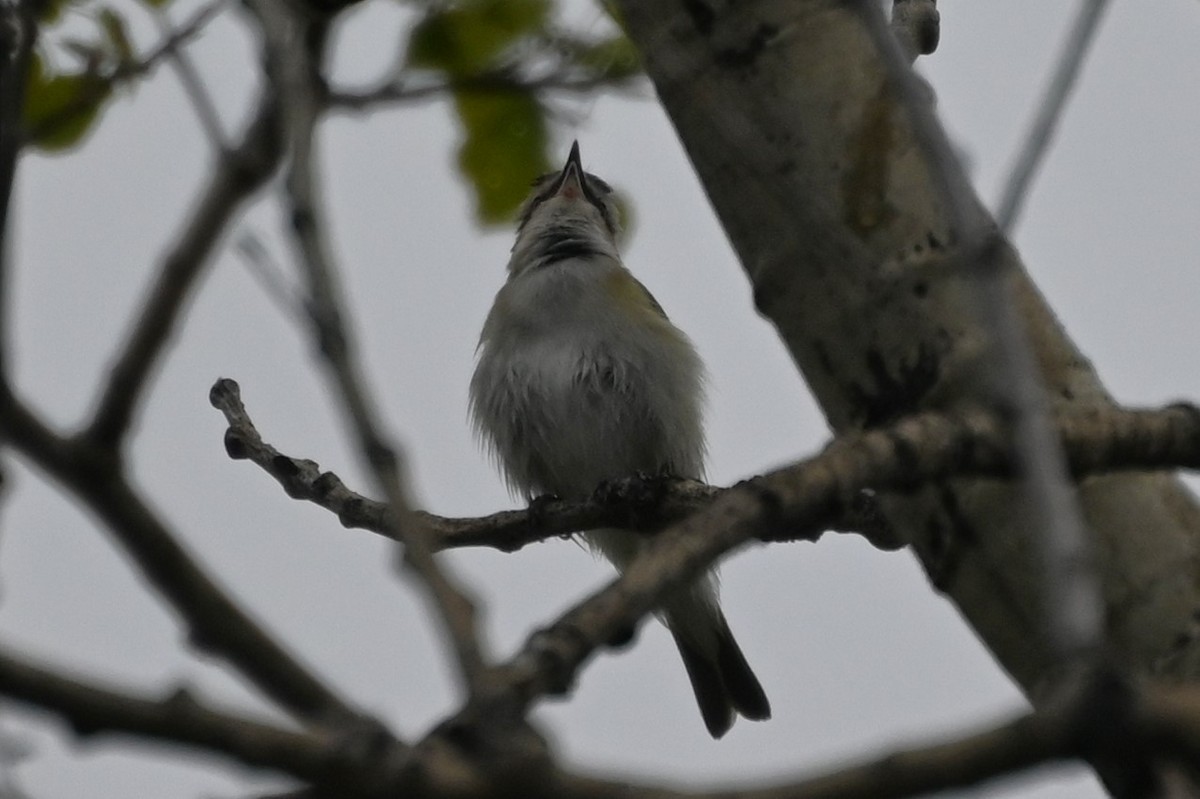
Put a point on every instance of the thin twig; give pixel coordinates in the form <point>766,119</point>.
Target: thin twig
<point>294,48</point>
<point>263,268</point>
<point>236,175</point>
<point>1050,112</point>
<point>173,40</point>
<point>189,76</point>
<point>109,75</point>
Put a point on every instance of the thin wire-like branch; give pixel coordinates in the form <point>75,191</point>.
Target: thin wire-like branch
<point>264,269</point>
<point>173,40</point>
<point>215,622</point>
<point>1050,112</point>
<point>189,76</point>
<point>1071,595</point>
<point>181,719</point>
<point>236,175</point>
<point>294,49</point>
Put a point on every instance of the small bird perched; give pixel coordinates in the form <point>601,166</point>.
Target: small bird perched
<point>581,378</point>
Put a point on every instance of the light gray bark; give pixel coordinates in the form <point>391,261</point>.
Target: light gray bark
<point>806,151</point>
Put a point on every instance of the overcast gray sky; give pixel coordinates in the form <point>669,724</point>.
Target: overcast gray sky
<point>855,650</point>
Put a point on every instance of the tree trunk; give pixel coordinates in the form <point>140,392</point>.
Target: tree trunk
<point>807,153</point>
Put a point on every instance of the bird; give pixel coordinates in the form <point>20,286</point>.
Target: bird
<point>581,379</point>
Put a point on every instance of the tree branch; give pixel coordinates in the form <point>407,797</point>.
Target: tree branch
<point>1095,442</point>
<point>189,76</point>
<point>237,174</point>
<point>295,48</point>
<point>1169,717</point>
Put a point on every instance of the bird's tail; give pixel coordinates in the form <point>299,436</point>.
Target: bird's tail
<point>721,678</point>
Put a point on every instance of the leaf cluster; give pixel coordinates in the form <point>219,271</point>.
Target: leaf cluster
<point>496,56</point>
<point>63,103</point>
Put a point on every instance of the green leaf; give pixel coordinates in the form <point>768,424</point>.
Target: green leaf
<point>615,59</point>
<point>51,11</point>
<point>504,150</point>
<point>60,109</point>
<point>465,38</point>
<point>113,25</point>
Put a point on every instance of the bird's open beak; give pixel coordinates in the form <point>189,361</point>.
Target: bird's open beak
<point>570,181</point>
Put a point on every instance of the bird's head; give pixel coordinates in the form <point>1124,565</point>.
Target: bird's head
<point>569,214</point>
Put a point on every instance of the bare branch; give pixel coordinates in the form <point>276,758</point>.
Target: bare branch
<point>1095,442</point>
<point>173,40</point>
<point>180,719</point>
<point>294,49</point>
<point>189,77</point>
<point>215,622</point>
<point>1054,102</point>
<point>236,175</point>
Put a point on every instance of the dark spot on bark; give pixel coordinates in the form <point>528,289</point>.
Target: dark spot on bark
<point>1067,394</point>
<point>703,17</point>
<point>745,56</point>
<point>907,459</point>
<point>1181,641</point>
<point>622,637</point>
<point>894,395</point>
<point>934,242</point>
<point>325,482</point>
<point>235,446</point>
<point>284,466</point>
<point>920,289</point>
<point>962,532</point>
<point>918,248</point>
